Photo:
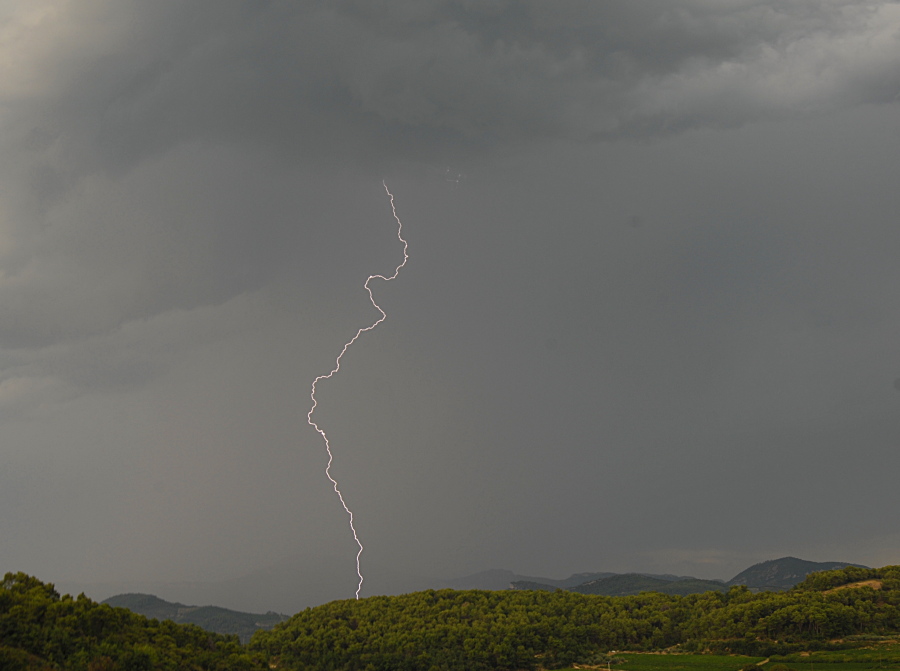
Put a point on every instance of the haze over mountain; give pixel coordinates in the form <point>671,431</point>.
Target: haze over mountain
<point>211,618</point>
<point>784,573</point>
<point>502,579</point>
<point>775,574</point>
<point>285,587</point>
<point>634,583</point>
<point>271,590</point>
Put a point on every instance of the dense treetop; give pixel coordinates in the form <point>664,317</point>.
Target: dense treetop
<point>447,630</point>
<point>39,629</point>
<point>532,629</point>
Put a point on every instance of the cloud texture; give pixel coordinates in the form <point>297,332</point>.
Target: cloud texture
<point>673,249</point>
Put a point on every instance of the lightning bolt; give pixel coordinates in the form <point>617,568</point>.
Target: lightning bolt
<point>337,367</point>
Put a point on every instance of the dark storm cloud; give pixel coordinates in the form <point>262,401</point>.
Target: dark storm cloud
<point>412,78</point>
<point>119,116</point>
<point>672,267</point>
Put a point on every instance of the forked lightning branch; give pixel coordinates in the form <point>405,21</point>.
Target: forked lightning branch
<point>337,367</point>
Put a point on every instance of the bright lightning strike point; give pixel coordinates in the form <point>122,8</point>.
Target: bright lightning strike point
<point>337,367</point>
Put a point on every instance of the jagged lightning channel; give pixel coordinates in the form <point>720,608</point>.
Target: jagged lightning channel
<point>337,367</point>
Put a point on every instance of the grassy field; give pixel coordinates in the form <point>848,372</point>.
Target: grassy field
<point>812,665</point>
<point>885,655</point>
<point>881,655</point>
<point>651,662</point>
<point>647,662</point>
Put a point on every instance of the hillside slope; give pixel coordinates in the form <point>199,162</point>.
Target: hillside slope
<point>479,630</point>
<point>784,573</point>
<point>43,631</point>
<point>634,583</point>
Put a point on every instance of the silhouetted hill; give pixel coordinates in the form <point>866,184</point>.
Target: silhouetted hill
<point>784,573</point>
<point>622,585</point>
<point>211,618</point>
<point>527,584</point>
<point>693,586</point>
<point>491,579</point>
<point>634,583</point>
<point>503,579</point>
<point>146,605</point>
<point>772,575</point>
<point>576,579</point>
<point>287,585</point>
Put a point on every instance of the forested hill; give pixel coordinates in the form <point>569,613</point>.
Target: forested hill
<point>482,630</point>
<point>635,583</point>
<point>627,584</point>
<point>451,630</point>
<point>42,631</point>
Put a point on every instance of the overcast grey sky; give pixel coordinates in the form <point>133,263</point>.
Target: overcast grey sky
<point>650,319</point>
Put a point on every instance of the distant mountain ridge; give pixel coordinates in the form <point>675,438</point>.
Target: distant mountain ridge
<point>635,583</point>
<point>211,618</point>
<point>784,573</point>
<point>772,575</point>
<point>502,579</point>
